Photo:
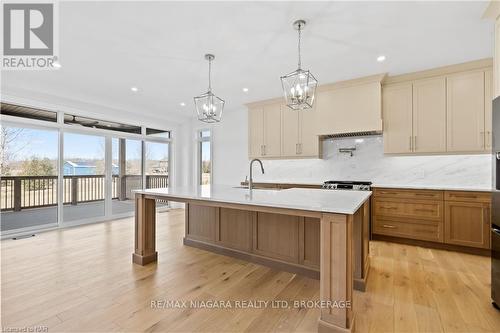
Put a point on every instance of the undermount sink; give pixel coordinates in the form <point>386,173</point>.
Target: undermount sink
<point>257,189</point>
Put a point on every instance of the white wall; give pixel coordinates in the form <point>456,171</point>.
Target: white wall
<point>368,163</point>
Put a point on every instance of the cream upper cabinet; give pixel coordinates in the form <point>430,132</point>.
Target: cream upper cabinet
<point>290,143</point>
<point>429,115</point>
<point>397,115</point>
<point>299,133</point>
<point>488,100</point>
<point>255,132</point>
<point>309,144</point>
<point>465,112</point>
<point>272,130</point>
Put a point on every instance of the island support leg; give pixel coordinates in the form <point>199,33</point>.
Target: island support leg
<point>336,274</point>
<point>145,235</point>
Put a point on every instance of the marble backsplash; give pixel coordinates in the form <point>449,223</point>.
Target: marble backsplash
<point>369,163</point>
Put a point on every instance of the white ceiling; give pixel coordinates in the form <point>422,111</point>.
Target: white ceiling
<point>108,47</point>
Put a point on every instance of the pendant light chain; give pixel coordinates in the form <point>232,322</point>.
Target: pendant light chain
<point>209,74</point>
<point>300,33</point>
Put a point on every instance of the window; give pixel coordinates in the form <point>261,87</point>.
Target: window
<point>205,157</point>
<point>29,169</point>
<point>26,112</point>
<point>158,133</point>
<point>57,167</point>
<point>84,176</point>
<point>75,120</point>
<point>126,173</point>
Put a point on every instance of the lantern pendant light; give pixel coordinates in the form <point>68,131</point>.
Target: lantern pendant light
<point>299,86</point>
<point>209,107</point>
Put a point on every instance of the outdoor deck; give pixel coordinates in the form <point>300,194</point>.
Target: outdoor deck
<point>31,201</point>
<point>34,217</point>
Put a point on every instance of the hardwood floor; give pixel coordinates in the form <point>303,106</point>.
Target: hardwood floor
<point>82,280</point>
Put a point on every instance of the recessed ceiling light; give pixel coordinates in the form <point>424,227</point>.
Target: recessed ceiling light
<point>381,58</point>
<point>183,104</point>
<point>245,89</point>
<point>134,89</point>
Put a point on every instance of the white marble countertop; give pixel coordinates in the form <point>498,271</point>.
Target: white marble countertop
<point>435,187</point>
<point>315,200</point>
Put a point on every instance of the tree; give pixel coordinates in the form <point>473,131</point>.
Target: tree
<point>37,167</point>
<point>10,146</point>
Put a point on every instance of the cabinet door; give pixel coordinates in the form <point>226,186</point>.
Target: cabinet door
<point>467,224</point>
<point>255,132</point>
<point>272,130</point>
<point>488,106</point>
<point>397,117</point>
<point>429,115</point>
<point>290,143</point>
<point>308,137</point>
<point>465,112</point>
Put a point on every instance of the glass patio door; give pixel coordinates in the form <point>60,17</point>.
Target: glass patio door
<point>29,177</point>
<point>127,174</point>
<point>84,177</point>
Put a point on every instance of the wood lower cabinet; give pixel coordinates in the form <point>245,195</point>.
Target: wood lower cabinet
<point>203,222</point>
<point>459,218</point>
<point>309,237</point>
<point>467,223</point>
<point>277,236</point>
<point>234,229</point>
<point>285,242</point>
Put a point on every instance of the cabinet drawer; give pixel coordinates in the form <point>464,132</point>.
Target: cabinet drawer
<point>421,230</point>
<point>408,194</point>
<point>467,196</point>
<point>419,209</point>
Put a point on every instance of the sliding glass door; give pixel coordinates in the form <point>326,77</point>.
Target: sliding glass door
<point>84,177</point>
<point>29,169</point>
<point>126,173</point>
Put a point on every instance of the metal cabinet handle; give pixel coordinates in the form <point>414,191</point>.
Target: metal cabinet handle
<point>488,139</point>
<point>389,226</point>
<point>300,148</point>
<point>463,196</point>
<point>415,143</point>
<point>424,210</point>
<point>410,143</point>
<point>482,139</point>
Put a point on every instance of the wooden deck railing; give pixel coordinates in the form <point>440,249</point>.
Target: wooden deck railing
<point>21,192</point>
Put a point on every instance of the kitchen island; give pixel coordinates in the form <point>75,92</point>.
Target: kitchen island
<point>300,230</point>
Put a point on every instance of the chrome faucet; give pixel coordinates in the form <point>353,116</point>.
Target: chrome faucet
<point>250,181</point>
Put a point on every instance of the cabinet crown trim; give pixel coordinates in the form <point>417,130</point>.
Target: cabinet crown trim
<point>480,64</point>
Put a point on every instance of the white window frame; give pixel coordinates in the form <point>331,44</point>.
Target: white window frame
<point>62,128</point>
<point>199,140</point>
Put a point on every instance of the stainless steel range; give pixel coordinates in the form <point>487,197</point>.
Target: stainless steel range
<point>346,185</point>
